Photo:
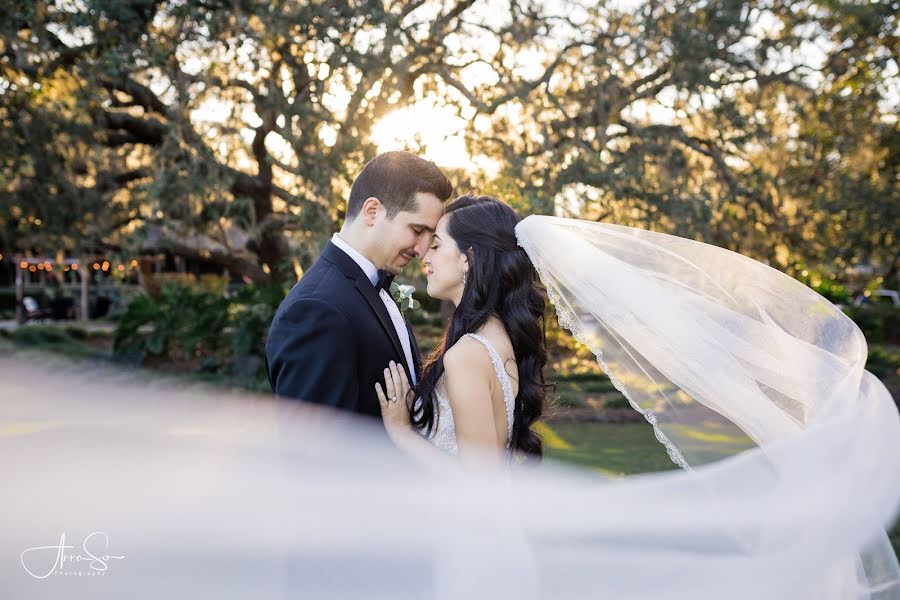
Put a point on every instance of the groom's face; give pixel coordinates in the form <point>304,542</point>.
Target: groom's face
<point>408,235</point>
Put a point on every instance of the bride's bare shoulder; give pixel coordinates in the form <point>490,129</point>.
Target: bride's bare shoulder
<point>467,357</point>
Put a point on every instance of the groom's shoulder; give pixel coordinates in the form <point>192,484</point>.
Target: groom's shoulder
<point>322,280</point>
<point>316,296</point>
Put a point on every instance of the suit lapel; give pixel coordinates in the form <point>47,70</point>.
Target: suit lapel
<point>414,345</point>
<point>369,292</point>
<point>348,267</point>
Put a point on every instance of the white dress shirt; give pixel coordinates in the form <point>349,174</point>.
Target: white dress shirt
<point>371,272</point>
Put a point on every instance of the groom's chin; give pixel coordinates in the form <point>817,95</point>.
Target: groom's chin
<point>398,265</point>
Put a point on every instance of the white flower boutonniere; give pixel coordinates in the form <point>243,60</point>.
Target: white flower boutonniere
<point>403,296</point>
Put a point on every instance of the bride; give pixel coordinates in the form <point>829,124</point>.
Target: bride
<point>484,387</point>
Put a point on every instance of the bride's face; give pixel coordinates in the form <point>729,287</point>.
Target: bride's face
<point>445,265</point>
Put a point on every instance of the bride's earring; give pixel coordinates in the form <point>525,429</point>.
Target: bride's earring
<point>464,278</point>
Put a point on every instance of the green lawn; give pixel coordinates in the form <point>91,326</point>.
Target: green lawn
<point>613,449</point>
<point>619,449</point>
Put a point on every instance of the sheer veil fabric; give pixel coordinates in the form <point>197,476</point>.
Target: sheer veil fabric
<point>754,384</point>
<point>720,353</point>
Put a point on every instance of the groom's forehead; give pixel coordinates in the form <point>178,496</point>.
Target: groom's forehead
<point>425,218</point>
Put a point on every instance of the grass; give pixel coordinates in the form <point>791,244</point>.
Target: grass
<point>618,450</point>
<point>612,449</point>
<point>68,340</point>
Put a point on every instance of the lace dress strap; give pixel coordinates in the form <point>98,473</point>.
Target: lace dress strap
<point>505,383</point>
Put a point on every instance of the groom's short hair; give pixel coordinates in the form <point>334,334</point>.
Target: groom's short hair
<point>395,178</point>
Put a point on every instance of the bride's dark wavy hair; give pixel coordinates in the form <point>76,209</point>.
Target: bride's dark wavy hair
<point>501,280</point>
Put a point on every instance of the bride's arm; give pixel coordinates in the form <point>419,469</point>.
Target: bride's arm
<point>469,381</point>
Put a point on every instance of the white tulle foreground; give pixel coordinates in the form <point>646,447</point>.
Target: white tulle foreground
<point>163,491</point>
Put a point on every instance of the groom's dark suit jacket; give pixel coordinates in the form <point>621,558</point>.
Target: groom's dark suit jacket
<point>332,337</point>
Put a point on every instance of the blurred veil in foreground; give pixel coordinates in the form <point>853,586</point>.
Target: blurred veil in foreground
<point>171,492</point>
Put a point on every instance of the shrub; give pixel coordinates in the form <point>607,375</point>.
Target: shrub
<point>201,328</point>
<point>883,362</point>
<point>879,323</point>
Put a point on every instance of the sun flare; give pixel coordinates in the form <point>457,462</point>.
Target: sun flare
<point>435,132</point>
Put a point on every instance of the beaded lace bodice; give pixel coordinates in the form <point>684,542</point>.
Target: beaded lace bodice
<point>444,435</point>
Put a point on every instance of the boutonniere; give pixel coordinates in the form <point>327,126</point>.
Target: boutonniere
<point>403,296</point>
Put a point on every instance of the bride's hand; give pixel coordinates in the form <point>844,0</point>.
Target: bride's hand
<point>394,403</point>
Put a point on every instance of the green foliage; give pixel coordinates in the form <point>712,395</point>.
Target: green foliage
<point>823,283</point>
<point>183,324</point>
<point>251,313</point>
<point>71,340</point>
<point>194,327</point>
<point>36,335</point>
<point>738,137</point>
<point>879,323</point>
<point>884,362</point>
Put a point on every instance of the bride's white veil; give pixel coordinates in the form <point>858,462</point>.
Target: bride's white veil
<point>720,353</point>
<point>197,492</point>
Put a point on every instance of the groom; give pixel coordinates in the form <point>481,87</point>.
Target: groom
<point>338,327</point>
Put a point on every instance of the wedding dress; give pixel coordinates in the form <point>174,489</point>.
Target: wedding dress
<point>754,384</point>
<point>444,434</point>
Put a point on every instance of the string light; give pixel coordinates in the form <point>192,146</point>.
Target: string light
<point>97,266</point>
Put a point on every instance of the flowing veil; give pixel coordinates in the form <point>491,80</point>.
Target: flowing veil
<point>755,385</point>
<point>721,353</point>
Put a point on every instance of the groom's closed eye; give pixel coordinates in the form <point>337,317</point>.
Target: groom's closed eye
<point>420,229</point>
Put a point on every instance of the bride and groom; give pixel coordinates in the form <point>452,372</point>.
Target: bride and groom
<point>719,352</point>
<point>339,339</point>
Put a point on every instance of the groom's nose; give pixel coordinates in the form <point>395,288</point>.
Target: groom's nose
<point>421,248</point>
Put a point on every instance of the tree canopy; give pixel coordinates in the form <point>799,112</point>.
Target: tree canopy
<point>231,130</point>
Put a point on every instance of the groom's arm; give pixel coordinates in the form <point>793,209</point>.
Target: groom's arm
<point>311,355</point>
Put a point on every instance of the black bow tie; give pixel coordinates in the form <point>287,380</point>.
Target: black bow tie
<point>384,280</point>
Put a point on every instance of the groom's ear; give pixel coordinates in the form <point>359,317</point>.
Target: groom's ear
<point>369,210</point>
